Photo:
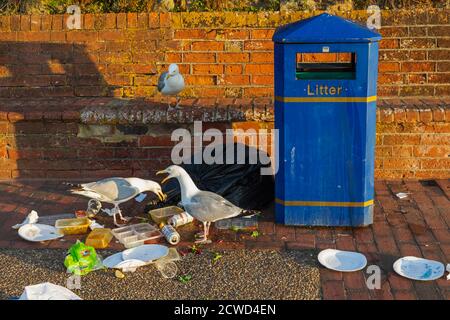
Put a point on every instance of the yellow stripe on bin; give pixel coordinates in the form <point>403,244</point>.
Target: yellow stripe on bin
<point>326,99</point>
<point>323,203</point>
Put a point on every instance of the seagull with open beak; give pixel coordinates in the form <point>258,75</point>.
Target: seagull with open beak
<point>116,191</point>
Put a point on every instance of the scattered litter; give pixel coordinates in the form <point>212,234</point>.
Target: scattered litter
<point>169,232</point>
<point>31,218</point>
<point>51,220</point>
<point>140,197</point>
<point>343,261</point>
<point>418,268</point>
<point>93,207</point>
<point>99,238</point>
<point>166,265</point>
<point>180,219</point>
<point>82,259</point>
<point>217,257</point>
<point>136,234</point>
<point>168,270</point>
<point>255,234</point>
<point>163,214</point>
<point>72,226</point>
<point>185,278</point>
<point>116,261</point>
<point>95,225</point>
<point>47,291</point>
<point>119,274</point>
<point>402,195</point>
<point>146,253</point>
<point>129,260</point>
<point>36,232</point>
<point>130,265</point>
<point>236,224</point>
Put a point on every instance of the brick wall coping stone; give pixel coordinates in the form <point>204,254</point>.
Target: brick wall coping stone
<point>154,111</point>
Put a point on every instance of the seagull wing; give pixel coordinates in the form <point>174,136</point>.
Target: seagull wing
<point>115,189</point>
<point>209,206</point>
<point>161,81</point>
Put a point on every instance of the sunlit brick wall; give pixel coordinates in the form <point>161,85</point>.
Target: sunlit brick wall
<point>221,54</point>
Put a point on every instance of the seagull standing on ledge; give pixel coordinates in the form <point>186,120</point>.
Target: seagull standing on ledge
<point>117,191</point>
<point>204,206</point>
<point>171,83</point>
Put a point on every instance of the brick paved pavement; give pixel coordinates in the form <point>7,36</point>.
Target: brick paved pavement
<point>418,225</point>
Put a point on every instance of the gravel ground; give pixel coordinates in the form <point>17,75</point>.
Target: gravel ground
<point>239,274</point>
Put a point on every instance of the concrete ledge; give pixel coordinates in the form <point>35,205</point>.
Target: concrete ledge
<point>154,111</point>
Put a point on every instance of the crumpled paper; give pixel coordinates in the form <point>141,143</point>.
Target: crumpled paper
<point>448,269</point>
<point>30,219</point>
<point>47,291</point>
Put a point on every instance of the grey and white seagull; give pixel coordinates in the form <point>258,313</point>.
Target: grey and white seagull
<point>204,206</point>
<point>116,191</point>
<point>171,83</point>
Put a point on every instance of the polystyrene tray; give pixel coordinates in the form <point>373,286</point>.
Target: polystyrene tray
<point>136,234</point>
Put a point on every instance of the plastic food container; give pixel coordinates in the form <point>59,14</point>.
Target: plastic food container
<point>72,226</point>
<point>163,214</point>
<point>239,223</point>
<point>136,234</point>
<point>99,238</point>
<point>166,264</point>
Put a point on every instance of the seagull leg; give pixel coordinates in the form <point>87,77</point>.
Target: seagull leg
<point>205,234</point>
<point>115,220</point>
<point>170,108</point>
<point>208,224</point>
<point>178,102</point>
<point>116,211</point>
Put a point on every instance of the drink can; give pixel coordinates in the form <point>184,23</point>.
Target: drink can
<point>180,219</point>
<point>169,232</point>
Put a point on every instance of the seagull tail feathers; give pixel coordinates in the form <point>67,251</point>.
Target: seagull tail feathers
<point>86,193</point>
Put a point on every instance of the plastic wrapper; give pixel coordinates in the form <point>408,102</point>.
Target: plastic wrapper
<point>82,259</point>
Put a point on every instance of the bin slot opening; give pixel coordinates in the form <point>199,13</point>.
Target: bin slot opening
<point>325,66</point>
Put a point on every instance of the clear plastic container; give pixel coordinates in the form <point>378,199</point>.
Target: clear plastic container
<point>166,264</point>
<point>136,234</point>
<point>72,226</point>
<point>240,223</point>
<point>99,238</point>
<point>163,214</point>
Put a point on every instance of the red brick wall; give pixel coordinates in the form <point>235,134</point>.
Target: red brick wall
<point>221,54</point>
<point>102,137</point>
<point>226,55</point>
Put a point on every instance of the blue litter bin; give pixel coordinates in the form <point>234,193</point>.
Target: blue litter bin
<point>325,110</point>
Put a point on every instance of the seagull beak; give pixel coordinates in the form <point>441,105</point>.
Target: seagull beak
<point>161,195</point>
<point>166,178</point>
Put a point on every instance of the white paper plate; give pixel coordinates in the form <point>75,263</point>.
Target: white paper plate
<point>344,261</point>
<point>112,261</point>
<point>116,262</point>
<point>130,264</point>
<point>36,232</point>
<point>146,252</point>
<point>419,269</point>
